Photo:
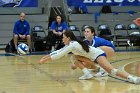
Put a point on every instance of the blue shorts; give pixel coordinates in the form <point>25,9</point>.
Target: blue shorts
<point>99,56</point>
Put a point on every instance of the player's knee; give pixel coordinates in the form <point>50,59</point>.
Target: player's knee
<point>28,36</point>
<point>114,71</point>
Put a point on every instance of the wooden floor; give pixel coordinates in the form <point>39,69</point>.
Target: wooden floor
<point>24,75</point>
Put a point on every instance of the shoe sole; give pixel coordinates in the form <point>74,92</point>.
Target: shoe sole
<point>87,78</point>
<point>104,75</point>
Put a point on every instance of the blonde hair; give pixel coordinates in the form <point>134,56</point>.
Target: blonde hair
<point>23,14</point>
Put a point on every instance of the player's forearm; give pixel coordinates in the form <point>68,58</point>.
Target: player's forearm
<point>55,32</point>
<point>45,59</point>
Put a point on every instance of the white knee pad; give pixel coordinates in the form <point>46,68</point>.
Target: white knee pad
<point>72,59</point>
<point>114,71</point>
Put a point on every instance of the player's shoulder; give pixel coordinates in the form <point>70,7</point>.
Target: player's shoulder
<point>18,21</point>
<point>26,21</point>
<point>85,39</point>
<point>98,38</point>
<point>54,22</point>
<point>64,22</point>
<point>73,42</point>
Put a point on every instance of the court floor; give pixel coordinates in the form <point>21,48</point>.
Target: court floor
<point>25,75</point>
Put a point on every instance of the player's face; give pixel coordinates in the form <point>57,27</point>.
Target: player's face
<point>66,40</point>
<point>88,34</point>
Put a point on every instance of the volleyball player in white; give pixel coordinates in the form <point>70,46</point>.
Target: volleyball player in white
<point>97,42</point>
<point>82,49</point>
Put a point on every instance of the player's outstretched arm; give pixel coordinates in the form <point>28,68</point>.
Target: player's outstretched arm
<point>45,59</point>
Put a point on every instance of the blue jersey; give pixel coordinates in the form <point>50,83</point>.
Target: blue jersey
<point>21,27</point>
<point>58,27</point>
<point>97,42</point>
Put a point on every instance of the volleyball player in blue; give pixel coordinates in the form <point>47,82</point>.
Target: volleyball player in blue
<point>80,48</point>
<point>97,42</point>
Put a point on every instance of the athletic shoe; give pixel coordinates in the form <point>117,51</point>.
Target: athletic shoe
<point>101,73</point>
<point>86,76</point>
<point>91,70</point>
<point>137,81</point>
<point>94,70</point>
<point>134,79</point>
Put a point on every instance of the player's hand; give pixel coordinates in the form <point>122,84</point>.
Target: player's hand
<point>73,66</point>
<point>41,61</point>
<point>59,33</point>
<point>44,59</point>
<point>56,33</point>
<point>23,36</point>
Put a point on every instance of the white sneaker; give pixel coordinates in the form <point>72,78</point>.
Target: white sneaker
<point>94,70</point>
<point>86,76</point>
<point>91,70</point>
<point>137,81</point>
<point>134,79</point>
<point>101,73</point>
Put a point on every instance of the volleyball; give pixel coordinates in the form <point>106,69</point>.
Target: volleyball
<point>137,21</point>
<point>22,49</point>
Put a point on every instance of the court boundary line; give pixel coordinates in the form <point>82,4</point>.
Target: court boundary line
<point>127,72</point>
<point>35,66</point>
<point>128,64</point>
<point>64,82</point>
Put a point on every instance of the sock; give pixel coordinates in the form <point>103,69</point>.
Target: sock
<point>132,79</point>
<point>86,71</point>
<point>101,69</point>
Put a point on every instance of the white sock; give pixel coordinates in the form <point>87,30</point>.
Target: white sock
<point>132,79</point>
<point>101,69</point>
<point>86,71</point>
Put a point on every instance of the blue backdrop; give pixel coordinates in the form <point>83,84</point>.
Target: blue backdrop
<point>19,3</point>
<point>104,2</point>
<point>28,3</point>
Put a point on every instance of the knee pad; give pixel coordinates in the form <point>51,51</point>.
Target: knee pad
<point>72,59</point>
<point>114,71</point>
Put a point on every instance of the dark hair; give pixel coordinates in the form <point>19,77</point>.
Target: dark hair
<point>71,35</point>
<point>92,29</point>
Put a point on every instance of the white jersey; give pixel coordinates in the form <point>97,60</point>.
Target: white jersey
<point>76,49</point>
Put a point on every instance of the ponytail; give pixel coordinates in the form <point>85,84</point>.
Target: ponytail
<point>70,34</point>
